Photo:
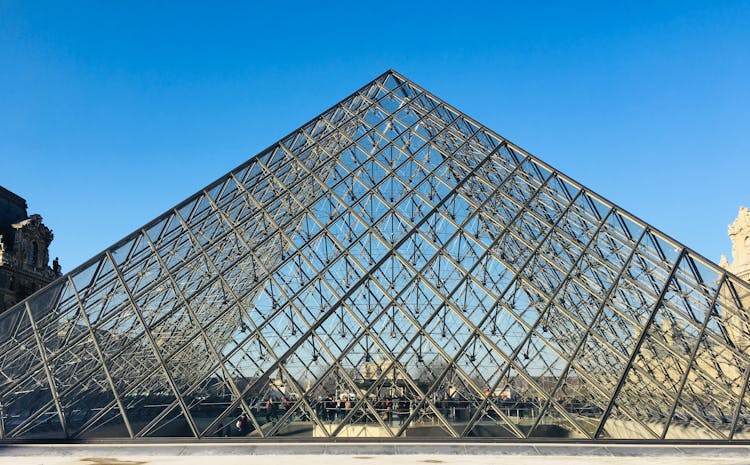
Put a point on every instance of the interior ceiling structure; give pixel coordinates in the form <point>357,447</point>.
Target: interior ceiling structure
<point>391,269</point>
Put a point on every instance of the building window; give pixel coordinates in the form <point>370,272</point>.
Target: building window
<point>34,252</point>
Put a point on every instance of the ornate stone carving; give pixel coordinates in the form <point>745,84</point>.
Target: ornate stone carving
<point>24,251</point>
<point>738,327</point>
<point>739,233</point>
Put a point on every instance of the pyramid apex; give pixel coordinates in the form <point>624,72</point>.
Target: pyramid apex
<point>391,71</point>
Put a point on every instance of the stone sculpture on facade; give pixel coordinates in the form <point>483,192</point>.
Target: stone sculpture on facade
<point>24,251</point>
<point>739,233</point>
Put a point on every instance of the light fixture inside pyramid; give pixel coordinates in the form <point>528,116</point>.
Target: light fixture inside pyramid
<point>391,269</point>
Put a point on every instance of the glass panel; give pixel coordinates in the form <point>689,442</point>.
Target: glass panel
<point>391,269</point>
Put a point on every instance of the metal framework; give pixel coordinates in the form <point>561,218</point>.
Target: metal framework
<point>390,269</point>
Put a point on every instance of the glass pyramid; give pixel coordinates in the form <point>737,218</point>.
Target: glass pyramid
<point>392,269</point>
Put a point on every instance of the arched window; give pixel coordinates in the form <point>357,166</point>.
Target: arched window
<point>33,253</point>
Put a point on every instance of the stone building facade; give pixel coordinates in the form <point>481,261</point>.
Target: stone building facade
<point>24,251</point>
<point>739,233</point>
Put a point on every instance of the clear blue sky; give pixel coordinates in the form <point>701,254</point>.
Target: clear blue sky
<point>112,112</point>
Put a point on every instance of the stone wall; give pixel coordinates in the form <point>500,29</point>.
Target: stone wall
<point>24,251</point>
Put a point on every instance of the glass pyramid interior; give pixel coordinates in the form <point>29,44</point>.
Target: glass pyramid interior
<point>391,269</point>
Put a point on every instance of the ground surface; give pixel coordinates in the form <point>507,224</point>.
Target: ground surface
<point>370,454</point>
<point>368,460</point>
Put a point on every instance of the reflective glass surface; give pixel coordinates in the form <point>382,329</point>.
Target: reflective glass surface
<point>391,269</point>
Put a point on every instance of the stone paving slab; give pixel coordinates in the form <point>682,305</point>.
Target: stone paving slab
<point>372,449</point>
<point>417,459</point>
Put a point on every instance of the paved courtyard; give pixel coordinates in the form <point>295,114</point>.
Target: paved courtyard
<point>365,460</point>
<point>369,454</point>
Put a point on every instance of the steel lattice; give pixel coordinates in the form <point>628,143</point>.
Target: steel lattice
<point>390,269</point>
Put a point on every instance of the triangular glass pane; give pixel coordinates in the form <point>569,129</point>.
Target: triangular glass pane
<point>740,421</point>
<point>491,424</point>
<point>147,402</point>
<point>557,423</point>
<point>269,402</point>
<point>295,419</point>
<point>110,424</point>
<point>620,425</point>
<point>687,423</point>
<point>82,385</point>
<point>25,401</point>
<point>45,426</point>
<point>173,424</point>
